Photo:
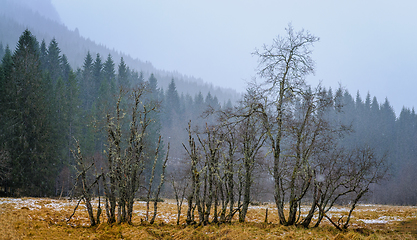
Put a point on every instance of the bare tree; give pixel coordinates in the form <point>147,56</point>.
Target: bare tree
<point>284,66</point>
<point>125,166</point>
<point>122,176</point>
<point>158,191</point>
<point>251,138</point>
<point>229,161</point>
<point>211,145</point>
<point>193,198</point>
<point>85,186</point>
<point>179,184</point>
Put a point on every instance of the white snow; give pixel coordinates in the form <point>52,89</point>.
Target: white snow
<point>381,220</point>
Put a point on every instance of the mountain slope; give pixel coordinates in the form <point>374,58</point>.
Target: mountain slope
<point>42,20</point>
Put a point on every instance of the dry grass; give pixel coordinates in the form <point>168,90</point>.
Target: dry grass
<point>32,218</point>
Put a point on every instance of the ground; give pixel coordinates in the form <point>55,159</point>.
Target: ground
<point>42,218</point>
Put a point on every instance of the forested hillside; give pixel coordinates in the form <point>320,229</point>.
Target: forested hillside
<point>45,105</point>
<point>15,18</point>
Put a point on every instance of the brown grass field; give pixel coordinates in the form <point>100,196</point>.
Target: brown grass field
<point>42,218</point>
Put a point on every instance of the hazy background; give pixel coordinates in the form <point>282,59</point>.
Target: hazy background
<point>364,45</point>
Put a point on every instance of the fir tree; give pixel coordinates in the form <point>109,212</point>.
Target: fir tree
<point>43,57</point>
<point>171,104</point>
<point>108,84</point>
<point>86,82</point>
<point>31,145</point>
<point>2,51</point>
<point>123,75</point>
<point>65,68</point>
<point>53,64</point>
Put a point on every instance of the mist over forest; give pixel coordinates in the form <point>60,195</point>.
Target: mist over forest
<point>58,89</point>
<point>16,16</point>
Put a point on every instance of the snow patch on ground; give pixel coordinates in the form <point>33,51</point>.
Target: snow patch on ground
<point>381,220</point>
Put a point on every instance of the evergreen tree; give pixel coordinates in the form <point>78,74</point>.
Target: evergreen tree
<point>123,75</point>
<point>136,79</point>
<point>65,68</point>
<point>43,57</point>
<point>53,64</point>
<point>86,86</point>
<point>228,104</point>
<point>368,102</point>
<point>2,51</point>
<point>31,145</point>
<point>109,73</point>
<point>97,77</point>
<point>359,104</point>
<point>72,129</point>
<point>6,91</point>
<point>109,79</point>
<point>374,108</point>
<point>171,104</point>
<point>198,104</point>
<point>86,82</point>
<point>6,84</point>
<point>386,127</point>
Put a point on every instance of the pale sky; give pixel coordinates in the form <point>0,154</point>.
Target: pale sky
<point>364,45</point>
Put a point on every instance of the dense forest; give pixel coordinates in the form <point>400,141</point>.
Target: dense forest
<point>45,105</point>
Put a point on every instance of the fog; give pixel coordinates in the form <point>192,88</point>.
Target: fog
<point>365,46</point>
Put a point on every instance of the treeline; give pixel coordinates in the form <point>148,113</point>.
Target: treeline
<point>375,124</point>
<point>45,105</point>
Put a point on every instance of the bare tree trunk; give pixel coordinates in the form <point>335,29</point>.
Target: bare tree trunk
<point>216,203</point>
<point>179,198</point>
<point>195,180</point>
<point>155,206</point>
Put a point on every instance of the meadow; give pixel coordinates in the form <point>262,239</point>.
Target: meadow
<point>44,218</point>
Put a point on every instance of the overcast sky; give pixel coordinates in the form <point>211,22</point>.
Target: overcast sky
<point>364,45</point>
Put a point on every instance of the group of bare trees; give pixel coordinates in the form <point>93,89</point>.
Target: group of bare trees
<point>222,161</point>
<point>283,131</point>
<point>296,126</point>
<point>122,175</point>
<point>303,131</point>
